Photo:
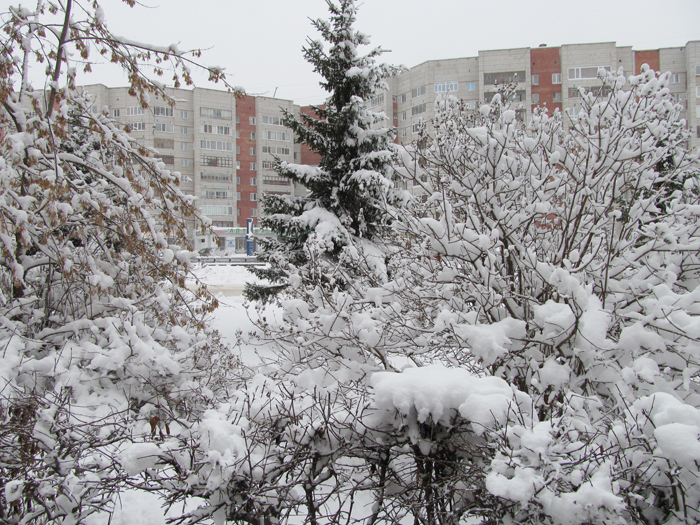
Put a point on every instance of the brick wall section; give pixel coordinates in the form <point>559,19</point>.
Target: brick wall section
<point>309,157</point>
<point>650,57</point>
<point>545,61</point>
<point>245,110</point>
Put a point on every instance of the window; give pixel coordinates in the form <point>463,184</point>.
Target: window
<point>238,150</point>
<point>276,135</point>
<point>216,193</point>
<point>184,130</point>
<point>215,177</point>
<point>251,121</point>
<point>535,98</point>
<point>252,166</point>
<point>417,110</point>
<point>238,180</point>
<point>376,101</point>
<point>470,104</point>
<point>254,212</point>
<point>216,210</point>
<point>276,150</point>
<point>184,163</point>
<point>164,143</point>
<point>518,96</point>
<point>185,146</point>
<point>238,195</point>
<point>403,133</point>
<point>238,119</point>
<point>403,115</point>
<point>267,165</point>
<point>115,112</point>
<point>697,70</point>
<point>504,77</point>
<point>697,111</point>
<point>394,98</point>
<point>168,159</point>
<point>206,128</point>
<point>218,145</point>
<point>404,97</point>
<point>557,96</point>
<point>164,127</point>
<point>135,110</point>
<point>163,111</point>
<point>238,165</point>
<point>252,151</point>
<point>238,133</point>
<point>556,78</point>
<point>417,127</point>
<point>138,126</point>
<point>698,132</point>
<point>273,180</point>
<point>697,91</point>
<point>273,121</point>
<point>471,86</point>
<point>576,73</point>
<point>445,87</point>
<point>396,115</point>
<point>224,114</point>
<point>222,162</point>
<point>418,91</point>
<point>573,113</point>
<point>675,78</point>
<point>680,98</point>
<point>535,80</point>
<point>253,182</point>
<point>184,114</point>
<point>252,135</point>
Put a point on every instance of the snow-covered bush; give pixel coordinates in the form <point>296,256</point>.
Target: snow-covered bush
<point>565,262</point>
<point>530,353</point>
<point>101,343</point>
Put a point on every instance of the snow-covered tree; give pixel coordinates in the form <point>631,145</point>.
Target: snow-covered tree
<point>349,189</point>
<point>103,349</point>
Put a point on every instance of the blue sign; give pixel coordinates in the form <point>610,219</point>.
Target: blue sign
<point>249,238</point>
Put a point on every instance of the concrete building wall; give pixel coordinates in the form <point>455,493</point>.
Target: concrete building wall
<point>233,182</point>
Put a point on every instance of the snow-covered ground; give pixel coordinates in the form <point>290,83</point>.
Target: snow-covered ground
<point>226,283</point>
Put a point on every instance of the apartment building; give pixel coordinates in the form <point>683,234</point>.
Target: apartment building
<point>546,76</point>
<point>223,147</point>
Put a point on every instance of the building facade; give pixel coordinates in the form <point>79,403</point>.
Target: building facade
<point>546,76</point>
<point>225,147</point>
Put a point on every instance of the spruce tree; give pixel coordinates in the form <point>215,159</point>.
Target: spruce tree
<point>348,190</point>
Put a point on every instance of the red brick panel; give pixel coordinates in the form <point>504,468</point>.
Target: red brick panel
<point>650,57</point>
<point>309,157</point>
<point>245,110</point>
<point>545,61</point>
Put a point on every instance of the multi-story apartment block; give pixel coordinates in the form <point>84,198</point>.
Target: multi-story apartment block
<point>546,76</point>
<point>225,147</point>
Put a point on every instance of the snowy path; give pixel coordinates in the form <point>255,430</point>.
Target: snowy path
<point>227,283</point>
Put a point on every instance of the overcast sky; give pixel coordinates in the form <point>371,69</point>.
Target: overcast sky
<point>259,42</point>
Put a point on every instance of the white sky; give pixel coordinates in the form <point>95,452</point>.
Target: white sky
<point>259,42</point>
